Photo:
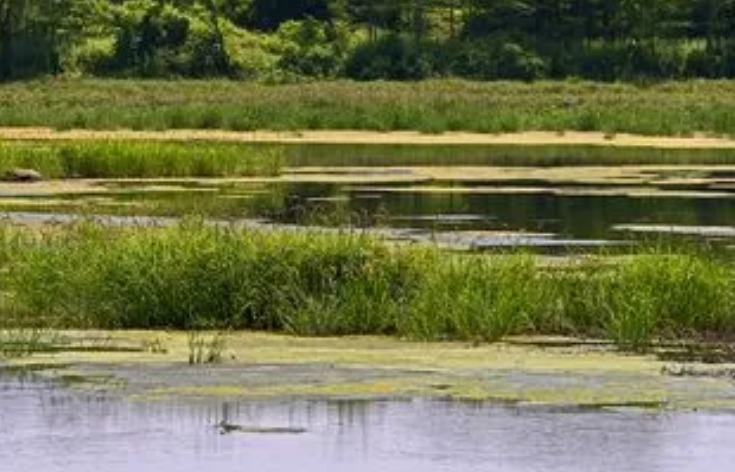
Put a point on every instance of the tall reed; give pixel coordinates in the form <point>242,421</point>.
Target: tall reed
<point>366,155</point>
<point>194,275</point>
<point>139,159</point>
<point>153,159</point>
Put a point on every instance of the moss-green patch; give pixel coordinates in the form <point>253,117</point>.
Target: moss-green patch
<point>20,368</point>
<point>373,352</point>
<point>595,397</point>
<point>563,374</point>
<point>607,395</point>
<point>83,381</point>
<point>390,388</point>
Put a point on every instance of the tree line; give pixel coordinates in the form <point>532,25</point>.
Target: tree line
<point>369,39</point>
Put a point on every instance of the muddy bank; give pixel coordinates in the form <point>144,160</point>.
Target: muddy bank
<point>155,366</point>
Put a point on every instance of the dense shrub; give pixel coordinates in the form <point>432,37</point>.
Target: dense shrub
<point>391,57</point>
<point>529,39</point>
<point>308,48</point>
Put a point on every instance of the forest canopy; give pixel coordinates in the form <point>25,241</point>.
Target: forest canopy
<point>282,40</point>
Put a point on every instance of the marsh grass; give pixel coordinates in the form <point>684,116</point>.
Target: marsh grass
<point>671,108</point>
<point>308,283</point>
<point>122,159</point>
<point>670,295</point>
<point>205,348</point>
<point>22,342</point>
<point>367,155</point>
<point>476,298</point>
<point>160,159</point>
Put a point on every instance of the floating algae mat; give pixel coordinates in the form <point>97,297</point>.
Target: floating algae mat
<point>57,430</point>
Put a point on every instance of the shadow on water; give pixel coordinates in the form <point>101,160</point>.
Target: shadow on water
<point>51,429</point>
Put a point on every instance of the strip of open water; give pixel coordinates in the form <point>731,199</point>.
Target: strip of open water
<point>44,427</point>
<point>472,217</point>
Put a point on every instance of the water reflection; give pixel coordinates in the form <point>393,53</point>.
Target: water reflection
<point>567,215</point>
<point>48,429</point>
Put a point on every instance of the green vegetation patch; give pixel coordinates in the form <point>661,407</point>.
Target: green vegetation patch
<point>371,155</point>
<point>674,108</point>
<point>564,373</point>
<point>195,276</point>
<point>121,159</point>
<point>281,40</point>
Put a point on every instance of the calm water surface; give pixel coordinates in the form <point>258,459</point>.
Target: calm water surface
<point>570,217</point>
<point>49,429</point>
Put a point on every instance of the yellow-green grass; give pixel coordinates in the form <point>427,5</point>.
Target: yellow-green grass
<point>196,276</point>
<point>176,159</point>
<point>121,159</point>
<point>672,108</point>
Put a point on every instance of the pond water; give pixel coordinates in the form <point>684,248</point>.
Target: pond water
<point>476,207</point>
<point>43,427</point>
<point>459,215</point>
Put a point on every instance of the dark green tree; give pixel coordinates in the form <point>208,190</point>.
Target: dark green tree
<point>35,33</point>
<point>268,15</point>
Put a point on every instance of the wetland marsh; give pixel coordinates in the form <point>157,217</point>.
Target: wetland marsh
<point>237,247</point>
<point>475,196</point>
<point>676,108</point>
<point>523,287</point>
<point>426,235</point>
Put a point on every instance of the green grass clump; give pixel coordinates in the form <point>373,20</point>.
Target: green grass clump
<point>26,156</point>
<point>477,298</point>
<point>141,159</point>
<point>365,155</point>
<point>204,349</point>
<point>671,108</point>
<point>194,275</point>
<point>24,342</point>
<point>676,296</point>
<point>161,159</point>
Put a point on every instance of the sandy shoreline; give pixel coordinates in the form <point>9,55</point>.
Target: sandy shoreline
<point>529,138</point>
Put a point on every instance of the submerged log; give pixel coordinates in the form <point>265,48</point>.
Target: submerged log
<point>227,428</point>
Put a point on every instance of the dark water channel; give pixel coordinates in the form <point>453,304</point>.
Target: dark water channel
<point>571,219</point>
<point>572,216</point>
<point>49,429</point>
<point>474,215</point>
<point>575,217</point>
